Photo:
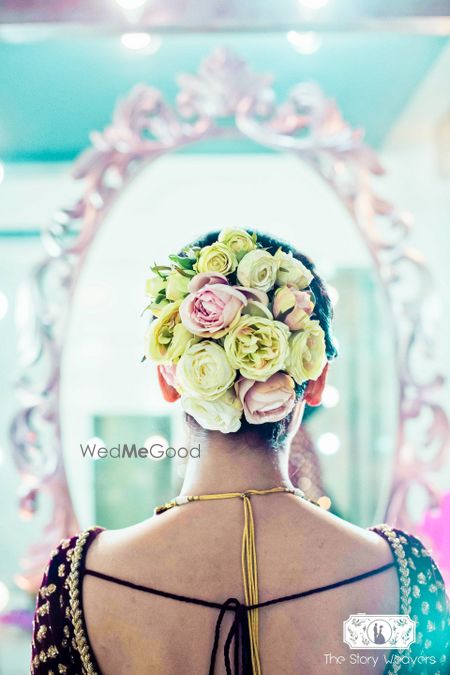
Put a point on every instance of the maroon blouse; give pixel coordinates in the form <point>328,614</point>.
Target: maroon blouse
<point>61,644</point>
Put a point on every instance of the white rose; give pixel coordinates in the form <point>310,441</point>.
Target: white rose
<point>204,370</point>
<point>292,272</point>
<point>258,269</point>
<point>223,414</point>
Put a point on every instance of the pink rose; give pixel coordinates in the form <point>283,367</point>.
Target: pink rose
<point>292,306</point>
<point>211,310</point>
<point>254,294</point>
<point>206,278</point>
<point>267,401</point>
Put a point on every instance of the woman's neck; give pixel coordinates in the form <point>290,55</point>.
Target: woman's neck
<point>225,466</point>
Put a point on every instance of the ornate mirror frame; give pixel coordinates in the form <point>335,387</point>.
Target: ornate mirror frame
<point>144,128</point>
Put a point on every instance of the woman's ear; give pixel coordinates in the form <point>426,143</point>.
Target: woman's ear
<point>170,394</point>
<point>314,389</point>
<point>296,418</point>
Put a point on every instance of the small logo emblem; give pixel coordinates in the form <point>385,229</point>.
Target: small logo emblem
<point>382,631</point>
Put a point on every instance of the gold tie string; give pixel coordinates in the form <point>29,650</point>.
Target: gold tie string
<point>248,557</point>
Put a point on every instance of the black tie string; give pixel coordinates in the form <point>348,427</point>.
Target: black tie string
<point>236,634</point>
<point>239,631</point>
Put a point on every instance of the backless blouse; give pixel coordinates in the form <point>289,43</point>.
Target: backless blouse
<point>61,644</point>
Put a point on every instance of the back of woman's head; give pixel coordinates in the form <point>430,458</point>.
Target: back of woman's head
<point>242,332</point>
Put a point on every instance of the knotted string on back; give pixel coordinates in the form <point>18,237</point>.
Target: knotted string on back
<point>244,631</point>
<point>249,569</point>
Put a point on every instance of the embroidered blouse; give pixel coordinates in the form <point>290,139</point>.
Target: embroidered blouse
<point>61,644</point>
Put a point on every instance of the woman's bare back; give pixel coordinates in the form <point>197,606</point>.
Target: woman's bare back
<point>196,551</point>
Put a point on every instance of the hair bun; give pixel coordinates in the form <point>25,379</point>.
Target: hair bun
<point>240,329</point>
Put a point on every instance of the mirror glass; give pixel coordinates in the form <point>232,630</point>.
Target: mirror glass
<point>110,398</point>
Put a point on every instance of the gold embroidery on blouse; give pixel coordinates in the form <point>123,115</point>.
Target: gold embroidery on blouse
<point>61,668</point>
<point>405,581</point>
<point>81,643</point>
<point>44,609</point>
<point>40,635</point>
<point>396,545</point>
<point>52,651</point>
<point>61,570</point>
<point>46,591</point>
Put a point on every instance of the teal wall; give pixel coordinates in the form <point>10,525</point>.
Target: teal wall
<point>53,93</point>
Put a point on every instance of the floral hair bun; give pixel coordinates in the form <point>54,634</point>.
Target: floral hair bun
<point>234,332</point>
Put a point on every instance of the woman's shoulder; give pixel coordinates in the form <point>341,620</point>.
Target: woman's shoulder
<point>423,596</point>
<point>413,558</point>
<point>55,634</point>
<point>63,561</point>
<point>420,577</point>
<point>421,588</point>
<point>68,555</point>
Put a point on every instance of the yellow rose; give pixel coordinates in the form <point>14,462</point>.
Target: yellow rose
<point>257,346</point>
<point>167,338</point>
<point>239,241</point>
<point>154,286</point>
<point>291,271</point>
<point>177,285</point>
<point>216,258</point>
<point>307,355</point>
<point>204,370</point>
<point>258,269</point>
<point>223,414</point>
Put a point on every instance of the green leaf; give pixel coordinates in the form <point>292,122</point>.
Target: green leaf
<point>184,262</point>
<point>185,273</point>
<point>161,270</point>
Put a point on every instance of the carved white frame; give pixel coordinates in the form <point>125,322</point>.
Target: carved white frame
<point>144,128</point>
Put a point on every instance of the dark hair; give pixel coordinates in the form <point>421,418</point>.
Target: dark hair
<point>273,434</point>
